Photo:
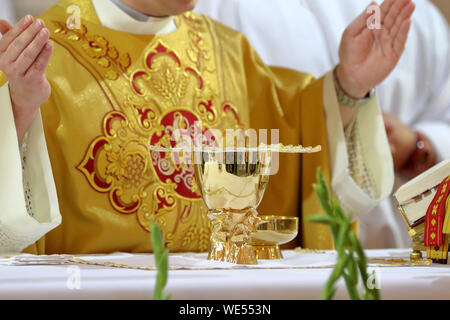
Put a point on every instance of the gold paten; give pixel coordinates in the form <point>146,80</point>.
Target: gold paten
<point>272,232</point>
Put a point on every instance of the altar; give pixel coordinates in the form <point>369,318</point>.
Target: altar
<point>300,275</point>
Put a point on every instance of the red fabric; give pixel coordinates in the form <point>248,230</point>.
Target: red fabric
<point>434,218</point>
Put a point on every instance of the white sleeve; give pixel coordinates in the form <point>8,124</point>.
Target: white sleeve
<point>372,151</point>
<point>434,121</point>
<point>227,12</point>
<point>28,201</point>
<point>438,132</point>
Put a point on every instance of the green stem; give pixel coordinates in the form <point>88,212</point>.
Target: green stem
<point>351,259</point>
<point>161,255</point>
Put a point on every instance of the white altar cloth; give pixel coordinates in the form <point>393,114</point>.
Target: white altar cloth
<point>299,276</point>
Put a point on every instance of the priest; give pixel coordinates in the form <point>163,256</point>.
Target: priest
<point>85,92</point>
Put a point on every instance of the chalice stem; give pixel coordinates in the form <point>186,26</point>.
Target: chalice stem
<point>231,231</point>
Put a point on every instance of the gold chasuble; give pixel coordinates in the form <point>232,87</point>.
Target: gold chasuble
<point>114,93</point>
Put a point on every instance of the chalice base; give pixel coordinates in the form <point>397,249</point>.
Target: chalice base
<point>232,253</point>
<point>230,236</point>
<point>268,252</point>
<point>415,255</point>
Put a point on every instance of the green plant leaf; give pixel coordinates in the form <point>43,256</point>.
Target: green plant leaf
<point>161,255</point>
<point>351,260</point>
<point>323,184</point>
<point>323,198</point>
<point>322,219</point>
<point>351,288</point>
<point>342,235</point>
<point>337,210</point>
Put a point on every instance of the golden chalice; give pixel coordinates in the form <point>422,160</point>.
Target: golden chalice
<point>232,183</point>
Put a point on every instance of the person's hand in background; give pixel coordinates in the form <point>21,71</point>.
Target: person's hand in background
<point>412,152</point>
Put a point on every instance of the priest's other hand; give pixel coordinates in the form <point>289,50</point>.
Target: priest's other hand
<point>402,139</point>
<point>404,142</point>
<point>25,52</point>
<point>367,56</point>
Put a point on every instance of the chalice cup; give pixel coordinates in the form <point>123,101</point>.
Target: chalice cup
<point>232,183</point>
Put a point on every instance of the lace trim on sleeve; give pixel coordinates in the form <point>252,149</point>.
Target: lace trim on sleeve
<point>26,186</point>
<point>357,164</point>
<point>11,242</point>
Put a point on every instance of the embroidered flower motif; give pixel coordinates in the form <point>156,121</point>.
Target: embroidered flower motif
<point>134,171</point>
<point>167,93</point>
<point>128,169</point>
<point>99,49</point>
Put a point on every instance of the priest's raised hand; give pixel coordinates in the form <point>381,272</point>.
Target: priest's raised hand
<point>368,56</point>
<point>25,52</point>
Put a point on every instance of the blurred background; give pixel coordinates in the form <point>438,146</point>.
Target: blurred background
<point>34,7</point>
<point>444,5</point>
